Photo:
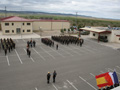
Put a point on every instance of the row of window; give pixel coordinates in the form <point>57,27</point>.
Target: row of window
<point>8,31</point>
<point>7,24</point>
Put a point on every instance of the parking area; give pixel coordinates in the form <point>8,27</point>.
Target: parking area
<point>76,66</point>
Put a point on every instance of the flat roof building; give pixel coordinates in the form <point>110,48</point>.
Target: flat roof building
<point>112,35</point>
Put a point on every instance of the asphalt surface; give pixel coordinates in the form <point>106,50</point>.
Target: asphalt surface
<point>76,66</point>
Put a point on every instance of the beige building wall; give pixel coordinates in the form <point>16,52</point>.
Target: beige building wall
<point>117,39</point>
<point>13,26</point>
<point>50,25</point>
<point>44,25</point>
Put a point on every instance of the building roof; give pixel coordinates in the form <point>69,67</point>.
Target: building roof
<point>20,19</point>
<point>15,19</point>
<point>118,35</point>
<point>49,20</point>
<point>95,30</point>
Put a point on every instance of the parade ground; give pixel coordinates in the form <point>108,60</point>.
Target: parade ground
<point>76,66</point>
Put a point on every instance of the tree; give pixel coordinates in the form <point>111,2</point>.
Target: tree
<point>62,31</point>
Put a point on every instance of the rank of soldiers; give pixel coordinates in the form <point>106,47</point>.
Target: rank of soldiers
<point>7,44</point>
<point>68,40</point>
<point>47,41</point>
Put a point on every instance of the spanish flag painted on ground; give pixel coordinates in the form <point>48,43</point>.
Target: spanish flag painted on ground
<point>104,80</point>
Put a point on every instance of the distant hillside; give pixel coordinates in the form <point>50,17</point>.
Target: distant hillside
<point>47,13</point>
<point>80,21</point>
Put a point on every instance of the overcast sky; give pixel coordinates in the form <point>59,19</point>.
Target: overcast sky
<point>94,8</point>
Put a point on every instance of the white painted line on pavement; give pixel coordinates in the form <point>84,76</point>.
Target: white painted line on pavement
<point>92,74</point>
<point>66,52</point>
<point>88,83</point>
<point>17,40</point>
<point>57,52</point>
<point>47,52</point>
<point>54,86</point>
<point>18,57</point>
<point>73,50</point>
<point>8,61</point>
<point>118,67</point>
<point>30,56</point>
<point>72,85</point>
<point>102,72</point>
<point>113,71</point>
<point>39,54</point>
<point>36,88</point>
<point>23,40</point>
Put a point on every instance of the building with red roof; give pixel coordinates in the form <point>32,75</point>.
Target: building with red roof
<point>19,25</point>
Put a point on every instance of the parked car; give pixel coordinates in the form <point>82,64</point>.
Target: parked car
<point>85,32</point>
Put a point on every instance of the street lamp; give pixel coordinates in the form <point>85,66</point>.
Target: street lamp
<point>40,29</point>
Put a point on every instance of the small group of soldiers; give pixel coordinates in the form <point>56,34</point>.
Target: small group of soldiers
<point>109,87</point>
<point>68,40</point>
<point>7,44</point>
<point>31,43</point>
<point>47,41</point>
<point>49,75</point>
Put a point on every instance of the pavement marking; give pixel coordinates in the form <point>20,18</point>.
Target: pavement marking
<point>66,52</point>
<point>88,83</point>
<point>47,52</point>
<point>36,88</point>
<point>113,71</point>
<point>30,56</point>
<point>92,74</point>
<point>39,54</point>
<point>54,86</point>
<point>8,61</point>
<point>23,40</point>
<point>57,52</point>
<point>102,72</point>
<point>118,67</point>
<point>18,57</point>
<point>72,85</point>
<point>17,40</point>
<point>72,50</point>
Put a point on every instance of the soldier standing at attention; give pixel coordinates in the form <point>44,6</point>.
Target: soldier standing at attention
<point>56,46</point>
<point>48,77</point>
<point>34,43</point>
<point>54,76</point>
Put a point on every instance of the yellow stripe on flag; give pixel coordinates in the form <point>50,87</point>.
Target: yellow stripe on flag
<point>101,80</point>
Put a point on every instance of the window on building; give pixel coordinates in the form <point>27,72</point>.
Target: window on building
<point>93,34</point>
<point>6,24</point>
<point>105,37</point>
<point>23,30</point>
<point>12,24</point>
<point>28,30</point>
<point>28,23</point>
<point>7,31</point>
<point>23,23</point>
<point>12,31</point>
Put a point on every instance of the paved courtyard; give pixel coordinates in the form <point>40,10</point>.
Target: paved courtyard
<point>76,66</point>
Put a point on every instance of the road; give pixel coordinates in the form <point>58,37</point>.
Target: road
<point>76,66</point>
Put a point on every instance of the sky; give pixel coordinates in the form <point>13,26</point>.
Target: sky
<point>95,8</point>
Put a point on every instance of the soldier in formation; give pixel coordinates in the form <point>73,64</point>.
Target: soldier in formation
<point>7,44</point>
<point>47,41</point>
<point>66,40</point>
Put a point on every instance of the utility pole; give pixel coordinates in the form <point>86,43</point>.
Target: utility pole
<point>77,26</point>
<point>5,11</point>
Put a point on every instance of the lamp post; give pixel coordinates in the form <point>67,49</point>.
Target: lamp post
<point>40,28</point>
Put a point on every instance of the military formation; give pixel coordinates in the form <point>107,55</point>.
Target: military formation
<point>7,45</point>
<point>31,44</point>
<point>47,42</point>
<point>66,40</point>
